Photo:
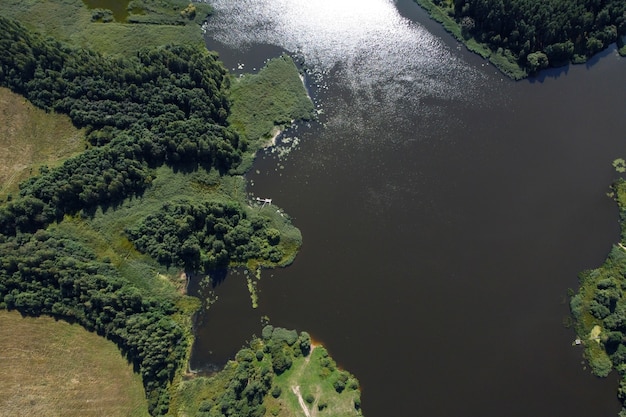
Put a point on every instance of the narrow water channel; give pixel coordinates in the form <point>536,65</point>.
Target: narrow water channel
<point>445,212</point>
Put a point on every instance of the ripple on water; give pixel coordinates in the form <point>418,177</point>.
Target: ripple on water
<point>379,55</point>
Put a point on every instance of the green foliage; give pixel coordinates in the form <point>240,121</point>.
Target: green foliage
<point>536,61</point>
<point>280,335</point>
<point>165,106</point>
<point>601,365</point>
<point>152,115</point>
<point>525,36</point>
<point>245,384</point>
<point>204,236</point>
<point>268,100</point>
<point>115,29</point>
<point>599,307</point>
<point>47,274</point>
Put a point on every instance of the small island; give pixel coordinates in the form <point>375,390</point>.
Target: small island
<point>156,136</point>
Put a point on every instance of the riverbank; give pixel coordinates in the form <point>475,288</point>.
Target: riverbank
<point>443,14</point>
<point>133,197</point>
<point>519,37</point>
<point>599,308</point>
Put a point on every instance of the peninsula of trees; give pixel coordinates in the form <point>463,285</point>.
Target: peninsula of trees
<point>522,37</point>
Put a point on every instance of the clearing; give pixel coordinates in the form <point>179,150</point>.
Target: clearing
<point>29,138</point>
<point>52,368</point>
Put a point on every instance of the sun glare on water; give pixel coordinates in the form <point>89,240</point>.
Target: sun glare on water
<point>373,49</point>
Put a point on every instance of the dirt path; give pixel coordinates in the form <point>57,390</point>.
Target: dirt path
<point>296,388</point>
<point>305,409</point>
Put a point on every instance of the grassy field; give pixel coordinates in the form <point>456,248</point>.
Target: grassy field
<point>50,368</point>
<point>72,21</point>
<point>307,389</point>
<point>29,138</point>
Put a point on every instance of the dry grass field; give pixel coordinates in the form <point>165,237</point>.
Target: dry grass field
<point>29,138</point>
<point>50,368</point>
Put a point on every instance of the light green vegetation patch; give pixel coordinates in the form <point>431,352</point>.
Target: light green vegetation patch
<point>315,385</point>
<point>52,368</point>
<point>31,137</point>
<point>73,22</point>
<point>619,164</point>
<point>599,308</point>
<point>268,101</point>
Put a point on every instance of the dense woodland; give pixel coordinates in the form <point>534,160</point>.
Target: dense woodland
<point>205,236</point>
<point>168,105</point>
<point>537,34</point>
<point>164,106</point>
<point>599,309</point>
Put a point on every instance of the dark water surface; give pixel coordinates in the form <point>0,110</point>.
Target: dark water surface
<point>445,213</point>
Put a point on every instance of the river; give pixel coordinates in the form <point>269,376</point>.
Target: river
<point>445,211</point>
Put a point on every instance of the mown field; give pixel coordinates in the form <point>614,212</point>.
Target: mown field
<point>29,138</point>
<point>52,368</point>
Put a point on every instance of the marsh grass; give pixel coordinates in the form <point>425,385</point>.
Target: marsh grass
<point>29,138</point>
<point>103,229</point>
<point>158,23</point>
<point>52,368</point>
<point>269,100</point>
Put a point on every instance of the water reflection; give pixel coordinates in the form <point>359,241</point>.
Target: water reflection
<point>379,55</point>
<point>444,212</point>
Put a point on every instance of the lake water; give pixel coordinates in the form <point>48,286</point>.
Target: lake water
<point>445,211</point>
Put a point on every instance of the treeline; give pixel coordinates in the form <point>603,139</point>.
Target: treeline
<point>167,105</point>
<point>536,34</point>
<point>599,309</point>
<point>46,273</point>
<point>205,235</point>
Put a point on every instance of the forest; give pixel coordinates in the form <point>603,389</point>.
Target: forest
<point>161,112</point>
<point>599,308</point>
<point>522,37</point>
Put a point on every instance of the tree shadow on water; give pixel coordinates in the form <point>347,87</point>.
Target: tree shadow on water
<point>550,73</point>
<point>217,276</point>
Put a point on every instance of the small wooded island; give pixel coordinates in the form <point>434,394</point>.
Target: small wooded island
<point>522,37</point>
<point>158,136</point>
